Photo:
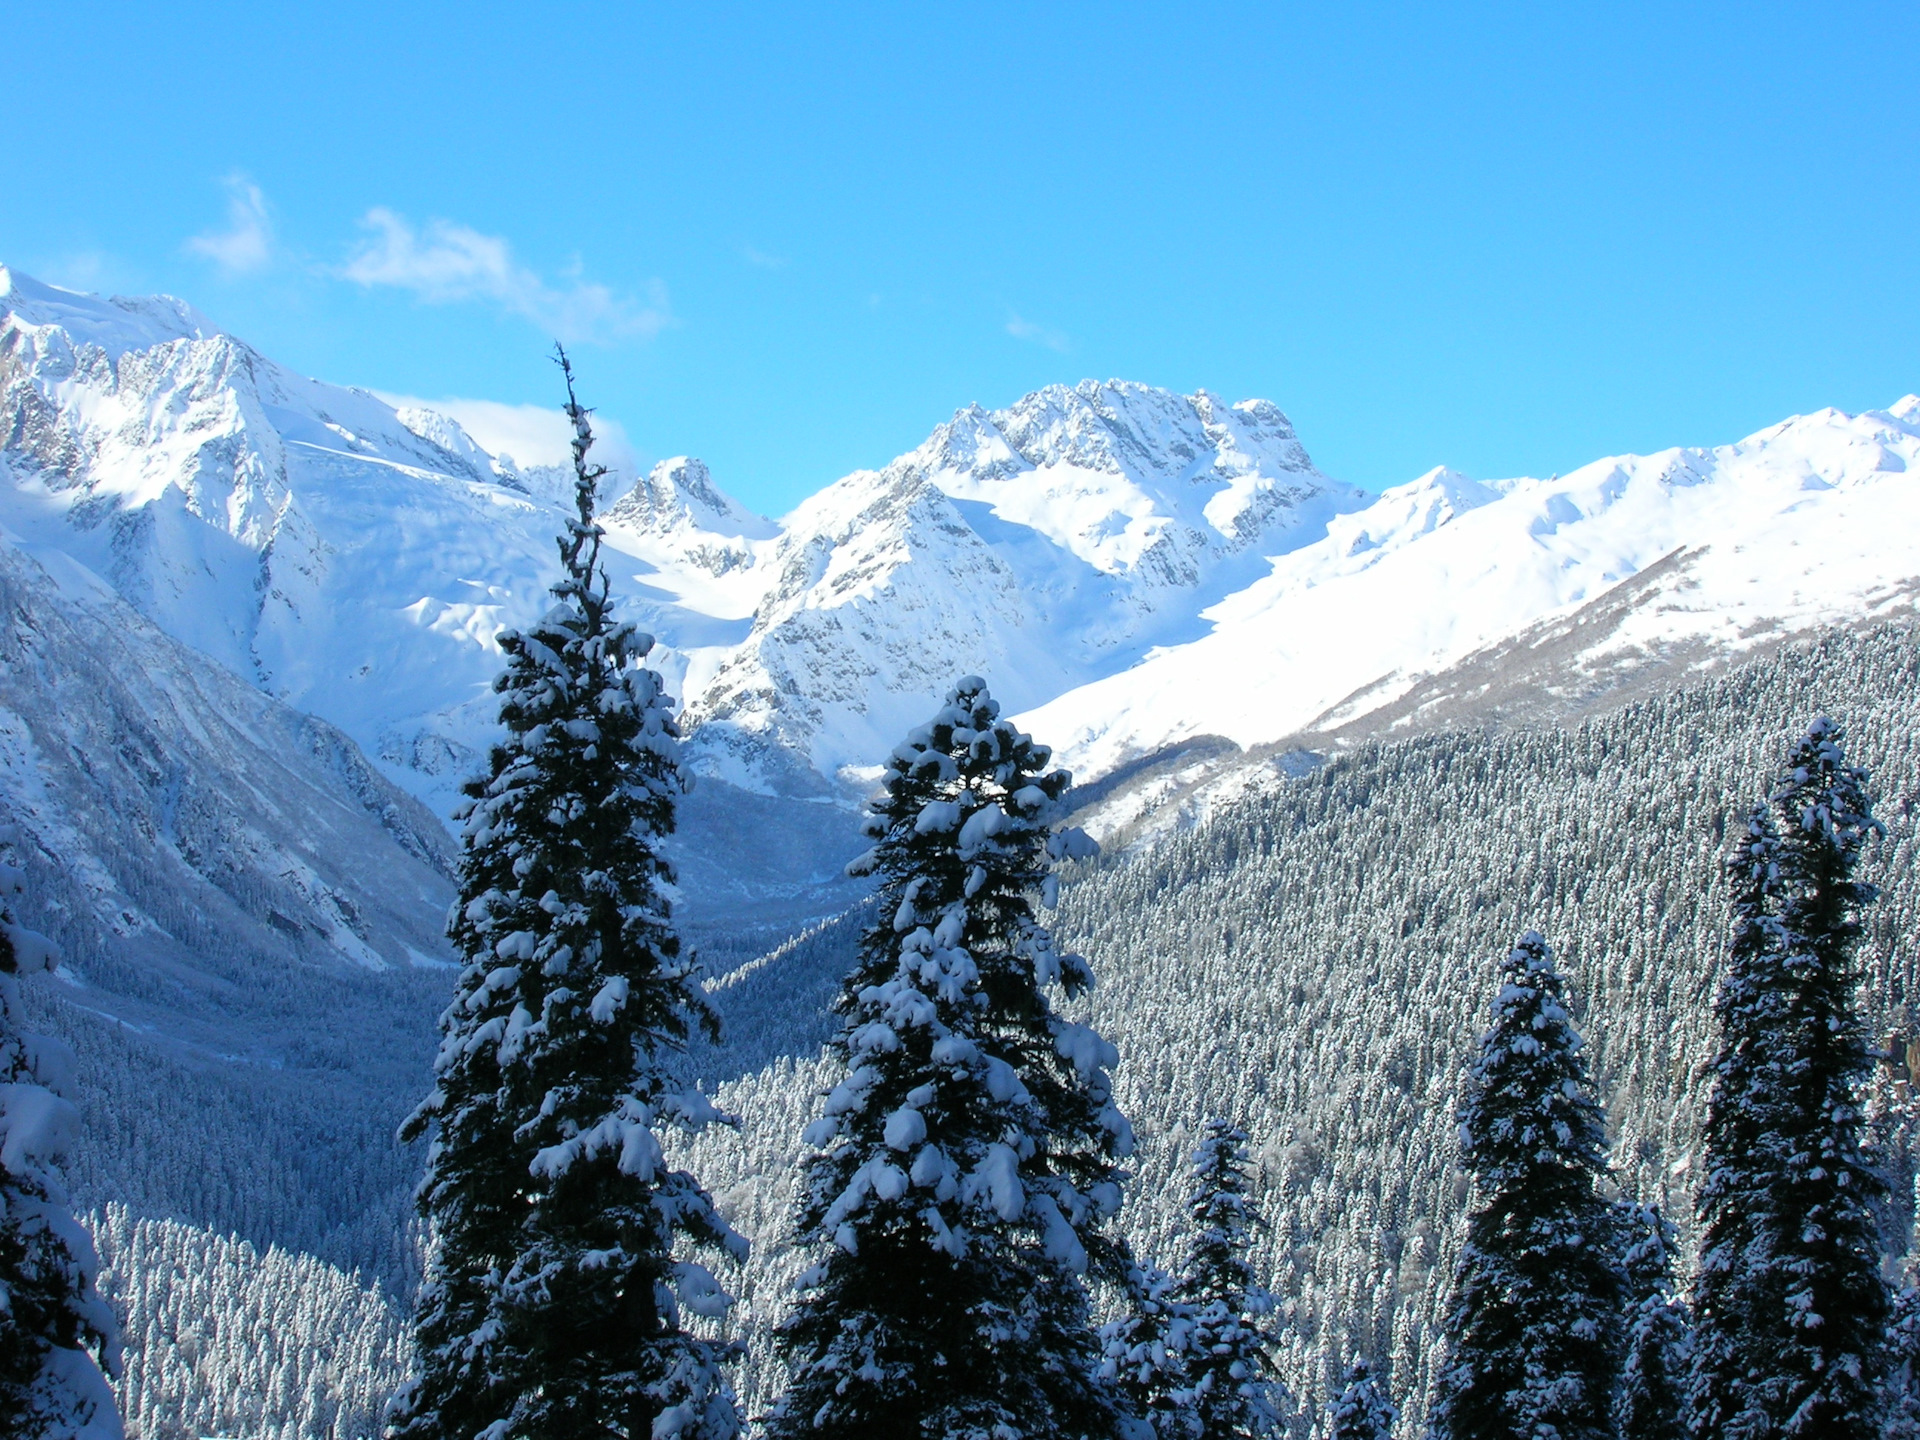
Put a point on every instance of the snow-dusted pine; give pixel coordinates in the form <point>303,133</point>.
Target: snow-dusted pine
<point>56,1332</point>
<point>552,1306</point>
<point>1144,1352</point>
<point>968,1161</point>
<point>1533,1338</point>
<point>1191,1356</point>
<point>1229,1364</point>
<point>1790,1307</point>
<point>1363,1411</point>
<point>1653,1379</point>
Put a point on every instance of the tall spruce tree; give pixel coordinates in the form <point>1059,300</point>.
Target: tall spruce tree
<point>552,1305</point>
<point>1361,1412</point>
<point>1230,1367</point>
<point>1742,1141</point>
<point>1145,1353</point>
<point>1653,1382</point>
<point>1790,1308</point>
<point>1534,1331</point>
<point>968,1161</point>
<point>57,1332</point>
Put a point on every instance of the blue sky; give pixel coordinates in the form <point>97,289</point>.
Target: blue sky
<point>792,239</point>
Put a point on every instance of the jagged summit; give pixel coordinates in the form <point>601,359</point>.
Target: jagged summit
<point>679,495</point>
<point>116,324</point>
<point>1148,565</point>
<point>1122,427</point>
<point>1127,477</point>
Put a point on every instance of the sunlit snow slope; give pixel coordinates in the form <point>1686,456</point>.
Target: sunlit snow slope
<point>1133,568</point>
<point>1809,522</point>
<point>357,561</point>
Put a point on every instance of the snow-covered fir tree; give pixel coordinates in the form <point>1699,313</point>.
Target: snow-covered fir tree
<point>1191,1355</point>
<point>1144,1352</point>
<point>1653,1380</point>
<point>1790,1308</point>
<point>1229,1364</point>
<point>56,1332</point>
<point>552,1306</point>
<point>1741,1147</point>
<point>1362,1411</point>
<point>1533,1338</point>
<point>968,1163</point>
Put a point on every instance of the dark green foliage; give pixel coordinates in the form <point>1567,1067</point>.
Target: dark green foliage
<point>551,1306</point>
<point>1790,1307</point>
<point>1534,1336</point>
<point>1229,1365</point>
<point>1361,1412</point>
<point>1653,1380</point>
<point>968,1157</point>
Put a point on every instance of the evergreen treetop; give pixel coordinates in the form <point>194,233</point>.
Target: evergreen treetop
<point>1534,1332</point>
<point>1145,1352</point>
<point>1654,1377</point>
<point>1362,1411</point>
<point>1790,1308</point>
<point>552,1305</point>
<point>1230,1369</point>
<point>969,1160</point>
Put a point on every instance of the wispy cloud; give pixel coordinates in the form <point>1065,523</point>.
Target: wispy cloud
<point>444,263</point>
<point>531,434</point>
<point>761,259</point>
<point>246,244</point>
<point>1038,334</point>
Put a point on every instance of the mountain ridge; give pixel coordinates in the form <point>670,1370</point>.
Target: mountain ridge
<point>1135,568</point>
<point>356,560</point>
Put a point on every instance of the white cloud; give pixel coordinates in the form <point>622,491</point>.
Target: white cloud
<point>446,262</point>
<point>1038,334</point>
<point>246,244</point>
<point>760,259</point>
<point>531,434</point>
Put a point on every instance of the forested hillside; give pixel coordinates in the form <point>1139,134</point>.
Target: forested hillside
<point>1316,964</point>
<point>226,1339</point>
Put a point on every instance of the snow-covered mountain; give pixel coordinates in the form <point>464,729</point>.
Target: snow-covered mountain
<point>1135,569</point>
<point>1683,559</point>
<point>356,560</point>
<point>1048,544</point>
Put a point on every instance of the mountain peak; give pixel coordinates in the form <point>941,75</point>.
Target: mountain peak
<point>116,323</point>
<point>679,494</point>
<point>1123,427</point>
